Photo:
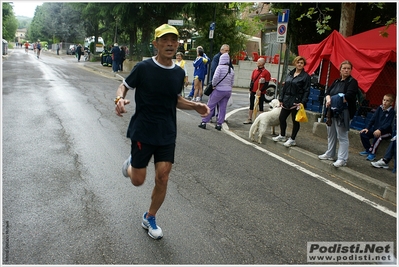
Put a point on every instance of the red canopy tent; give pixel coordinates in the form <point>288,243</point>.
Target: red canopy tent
<point>373,58</point>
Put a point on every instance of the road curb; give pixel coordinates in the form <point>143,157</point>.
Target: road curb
<point>367,183</point>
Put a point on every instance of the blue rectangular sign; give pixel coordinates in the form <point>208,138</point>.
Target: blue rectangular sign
<point>283,16</point>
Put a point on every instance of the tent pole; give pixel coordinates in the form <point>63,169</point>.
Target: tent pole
<point>325,89</point>
<point>278,69</point>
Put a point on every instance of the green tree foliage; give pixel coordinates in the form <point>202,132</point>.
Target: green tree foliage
<point>23,22</point>
<point>313,22</point>
<point>10,23</point>
<point>56,21</point>
<point>302,29</point>
<point>226,18</point>
<point>133,23</point>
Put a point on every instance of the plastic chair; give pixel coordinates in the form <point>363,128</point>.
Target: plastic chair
<point>276,58</point>
<point>242,55</point>
<point>255,56</point>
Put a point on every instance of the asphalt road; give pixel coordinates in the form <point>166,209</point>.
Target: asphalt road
<point>66,202</point>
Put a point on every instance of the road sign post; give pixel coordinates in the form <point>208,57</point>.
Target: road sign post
<point>211,34</point>
<point>211,30</point>
<point>282,27</point>
<point>282,24</point>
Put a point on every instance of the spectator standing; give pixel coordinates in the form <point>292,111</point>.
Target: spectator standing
<point>191,94</point>
<point>182,64</point>
<point>200,70</point>
<point>116,57</point>
<point>225,48</point>
<point>152,129</point>
<point>378,128</point>
<point>79,51</point>
<point>223,79</point>
<point>341,100</point>
<point>294,92</point>
<point>123,57</point>
<point>260,79</point>
<point>58,49</point>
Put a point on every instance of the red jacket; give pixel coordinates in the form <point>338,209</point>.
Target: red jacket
<point>257,74</point>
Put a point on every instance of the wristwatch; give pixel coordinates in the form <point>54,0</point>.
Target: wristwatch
<point>116,100</point>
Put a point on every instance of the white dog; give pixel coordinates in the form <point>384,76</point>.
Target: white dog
<point>266,119</point>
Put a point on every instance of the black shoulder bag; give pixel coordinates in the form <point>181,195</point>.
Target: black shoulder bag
<point>209,88</point>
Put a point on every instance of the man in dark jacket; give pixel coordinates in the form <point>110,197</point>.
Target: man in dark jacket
<point>225,48</point>
<point>79,51</point>
<point>123,57</point>
<point>116,57</point>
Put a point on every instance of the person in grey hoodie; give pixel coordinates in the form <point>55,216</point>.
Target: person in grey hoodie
<point>223,81</point>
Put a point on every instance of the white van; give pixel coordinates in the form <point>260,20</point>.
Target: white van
<point>99,46</point>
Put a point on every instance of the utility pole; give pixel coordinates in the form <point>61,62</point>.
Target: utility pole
<point>211,35</point>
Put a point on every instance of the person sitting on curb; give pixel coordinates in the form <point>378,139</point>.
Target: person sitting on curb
<point>389,154</point>
<point>379,127</point>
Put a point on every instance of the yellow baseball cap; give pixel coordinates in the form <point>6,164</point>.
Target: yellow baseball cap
<point>164,29</point>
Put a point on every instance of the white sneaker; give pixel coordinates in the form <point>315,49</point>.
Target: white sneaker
<point>198,99</point>
<point>339,163</point>
<point>380,164</point>
<point>290,142</point>
<point>325,157</point>
<point>125,166</point>
<point>279,138</point>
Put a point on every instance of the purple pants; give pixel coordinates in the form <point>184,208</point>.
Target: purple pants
<point>218,98</point>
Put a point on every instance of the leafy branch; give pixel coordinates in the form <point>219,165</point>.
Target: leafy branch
<point>322,19</point>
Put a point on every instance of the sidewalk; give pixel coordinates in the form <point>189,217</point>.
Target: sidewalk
<point>381,182</point>
<point>310,144</point>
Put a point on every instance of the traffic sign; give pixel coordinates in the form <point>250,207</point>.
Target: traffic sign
<point>176,22</point>
<point>283,16</point>
<point>282,29</point>
<point>212,26</point>
<point>282,25</point>
<point>212,30</point>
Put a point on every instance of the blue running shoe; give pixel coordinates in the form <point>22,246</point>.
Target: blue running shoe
<point>371,157</point>
<point>364,153</point>
<point>153,229</point>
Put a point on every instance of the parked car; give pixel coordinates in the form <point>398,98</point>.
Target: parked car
<point>30,47</point>
<point>71,50</point>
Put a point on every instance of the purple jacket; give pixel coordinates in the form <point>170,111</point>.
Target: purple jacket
<point>224,65</point>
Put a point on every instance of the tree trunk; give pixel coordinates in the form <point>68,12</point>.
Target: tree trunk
<point>348,11</point>
<point>132,41</point>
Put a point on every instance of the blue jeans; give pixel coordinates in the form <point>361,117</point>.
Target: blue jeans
<point>391,151</point>
<point>115,66</point>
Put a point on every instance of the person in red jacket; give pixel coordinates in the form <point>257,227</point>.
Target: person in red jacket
<point>260,79</point>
